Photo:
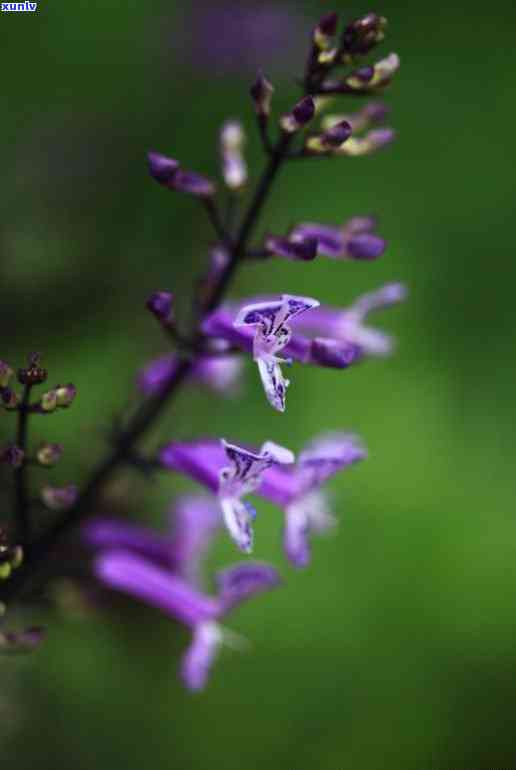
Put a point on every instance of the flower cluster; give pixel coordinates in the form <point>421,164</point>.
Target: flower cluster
<point>211,348</point>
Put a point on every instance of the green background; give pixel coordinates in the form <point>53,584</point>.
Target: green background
<point>396,648</point>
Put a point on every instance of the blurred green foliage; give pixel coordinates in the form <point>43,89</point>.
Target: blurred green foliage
<point>396,648</point>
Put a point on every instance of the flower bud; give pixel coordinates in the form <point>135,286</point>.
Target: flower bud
<point>5,374</point>
<point>362,34</point>
<point>325,31</point>
<point>49,454</point>
<point>292,248</point>
<point>65,394</point>
<point>161,168</point>
<point>261,93</point>
<point>34,374</point>
<point>364,145</point>
<point>301,114</point>
<point>59,498</point>
<point>332,138</point>
<point>167,172</point>
<point>10,400</point>
<point>160,304</point>
<point>48,401</point>
<point>234,168</point>
<point>13,456</point>
<point>10,556</point>
<point>371,113</point>
<point>376,76</point>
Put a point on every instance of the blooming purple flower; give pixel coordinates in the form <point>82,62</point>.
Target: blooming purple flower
<point>219,372</point>
<point>356,239</point>
<point>297,489</point>
<point>271,321</point>
<point>168,173</point>
<point>155,569</point>
<point>207,462</point>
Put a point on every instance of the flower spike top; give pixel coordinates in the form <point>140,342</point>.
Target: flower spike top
<point>272,334</point>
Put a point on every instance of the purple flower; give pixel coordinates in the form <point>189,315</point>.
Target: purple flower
<point>218,372</point>
<point>272,334</point>
<point>147,579</point>
<point>168,173</point>
<point>356,239</point>
<point>297,490</point>
<point>234,167</point>
<point>207,463</point>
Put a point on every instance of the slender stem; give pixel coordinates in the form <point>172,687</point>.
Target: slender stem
<point>150,409</point>
<point>20,474</point>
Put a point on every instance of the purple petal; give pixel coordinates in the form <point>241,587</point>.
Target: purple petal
<point>240,582</point>
<point>327,455</point>
<point>246,468</point>
<point>238,518</point>
<point>274,384</point>
<point>333,353</point>
<point>195,522</point>
<point>140,578</point>
<point>295,538</point>
<point>221,372</point>
<point>198,658</point>
<point>365,246</point>
<point>157,373</point>
<point>390,294</point>
<point>200,460</point>
<point>116,534</point>
<point>330,241</point>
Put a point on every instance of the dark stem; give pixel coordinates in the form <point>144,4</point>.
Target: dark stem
<point>20,474</point>
<point>150,409</point>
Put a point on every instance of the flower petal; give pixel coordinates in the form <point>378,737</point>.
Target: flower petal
<point>200,655</point>
<point>242,581</point>
<point>153,585</point>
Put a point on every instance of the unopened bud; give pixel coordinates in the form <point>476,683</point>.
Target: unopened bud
<point>49,454</point>
<point>325,31</point>
<point>34,374</point>
<point>59,498</point>
<point>362,34</point>
<point>13,456</point>
<point>374,140</point>
<point>9,398</point>
<point>261,93</point>
<point>65,394</point>
<point>301,114</point>
<point>49,401</point>
<point>331,139</point>
<point>160,304</point>
<point>5,374</point>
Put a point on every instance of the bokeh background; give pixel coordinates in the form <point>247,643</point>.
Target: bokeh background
<point>396,649</point>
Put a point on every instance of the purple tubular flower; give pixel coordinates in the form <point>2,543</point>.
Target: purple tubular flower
<point>167,172</point>
<point>218,372</point>
<point>273,333</point>
<point>195,520</point>
<point>297,490</point>
<point>304,249</point>
<point>356,239</point>
<point>162,588</point>
<point>160,304</point>
<point>229,471</point>
<point>334,354</point>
